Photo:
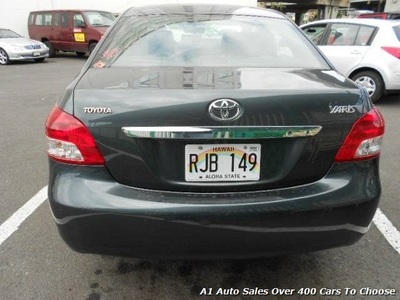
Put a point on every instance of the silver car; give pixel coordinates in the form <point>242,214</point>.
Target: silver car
<point>365,50</point>
<point>15,47</point>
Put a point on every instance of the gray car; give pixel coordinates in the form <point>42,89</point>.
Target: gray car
<point>14,47</point>
<point>211,131</point>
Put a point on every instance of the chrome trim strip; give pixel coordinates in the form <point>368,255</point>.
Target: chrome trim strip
<point>221,132</point>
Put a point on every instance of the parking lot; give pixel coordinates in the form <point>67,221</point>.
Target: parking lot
<point>36,264</point>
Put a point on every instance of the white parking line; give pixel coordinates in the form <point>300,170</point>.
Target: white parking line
<point>12,223</point>
<point>391,234</point>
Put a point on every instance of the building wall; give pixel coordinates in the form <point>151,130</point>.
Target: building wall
<point>392,5</point>
<point>14,13</point>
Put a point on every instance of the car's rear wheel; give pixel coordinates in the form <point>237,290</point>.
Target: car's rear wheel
<point>91,47</point>
<point>372,82</point>
<point>4,59</point>
<point>39,59</point>
<point>52,51</point>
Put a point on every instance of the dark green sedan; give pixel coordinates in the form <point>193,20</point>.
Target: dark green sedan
<point>211,131</point>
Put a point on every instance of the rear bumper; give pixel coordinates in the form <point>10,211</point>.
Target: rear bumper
<point>97,215</point>
<point>393,83</point>
<point>391,74</point>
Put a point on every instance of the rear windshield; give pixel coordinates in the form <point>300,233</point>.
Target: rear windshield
<point>207,40</point>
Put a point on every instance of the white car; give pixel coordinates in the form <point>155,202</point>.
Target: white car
<point>15,47</point>
<point>365,50</point>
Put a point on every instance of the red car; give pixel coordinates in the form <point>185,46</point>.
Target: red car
<point>69,30</point>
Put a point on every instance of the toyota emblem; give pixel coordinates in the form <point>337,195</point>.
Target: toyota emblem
<point>225,110</point>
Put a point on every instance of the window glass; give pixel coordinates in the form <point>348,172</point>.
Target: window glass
<point>8,34</point>
<point>364,36</point>
<point>396,30</point>
<point>57,21</point>
<point>315,33</point>
<point>43,19</point>
<point>64,20</point>
<point>47,19</point>
<point>343,34</point>
<point>78,20</point>
<point>39,19</point>
<point>99,18</point>
<point>30,22</point>
<point>174,40</point>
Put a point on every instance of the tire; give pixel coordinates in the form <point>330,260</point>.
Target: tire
<point>80,54</point>
<point>52,51</point>
<point>372,82</point>
<point>91,47</point>
<point>4,59</point>
<point>38,60</point>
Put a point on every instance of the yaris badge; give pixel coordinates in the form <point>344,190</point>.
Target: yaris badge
<point>342,109</point>
<point>225,110</point>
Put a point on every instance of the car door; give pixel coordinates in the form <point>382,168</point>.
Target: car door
<point>64,31</point>
<point>79,36</point>
<point>57,30</point>
<point>345,45</point>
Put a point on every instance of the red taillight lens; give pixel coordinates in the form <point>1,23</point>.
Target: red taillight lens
<point>395,51</point>
<point>365,138</point>
<point>70,141</point>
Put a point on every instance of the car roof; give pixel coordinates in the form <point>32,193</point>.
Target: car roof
<point>214,9</point>
<point>361,21</point>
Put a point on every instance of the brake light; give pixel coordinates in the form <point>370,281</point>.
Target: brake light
<point>70,141</point>
<point>395,51</point>
<point>365,138</point>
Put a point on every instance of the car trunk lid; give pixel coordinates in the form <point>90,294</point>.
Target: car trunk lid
<point>155,126</point>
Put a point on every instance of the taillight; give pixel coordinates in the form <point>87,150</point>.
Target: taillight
<point>365,138</point>
<point>395,51</point>
<point>70,141</point>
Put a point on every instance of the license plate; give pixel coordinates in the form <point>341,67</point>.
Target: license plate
<point>223,162</point>
<point>36,53</point>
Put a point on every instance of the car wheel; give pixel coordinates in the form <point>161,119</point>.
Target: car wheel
<point>91,47</point>
<point>372,82</point>
<point>52,51</point>
<point>4,59</point>
<point>80,54</point>
<point>39,59</point>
